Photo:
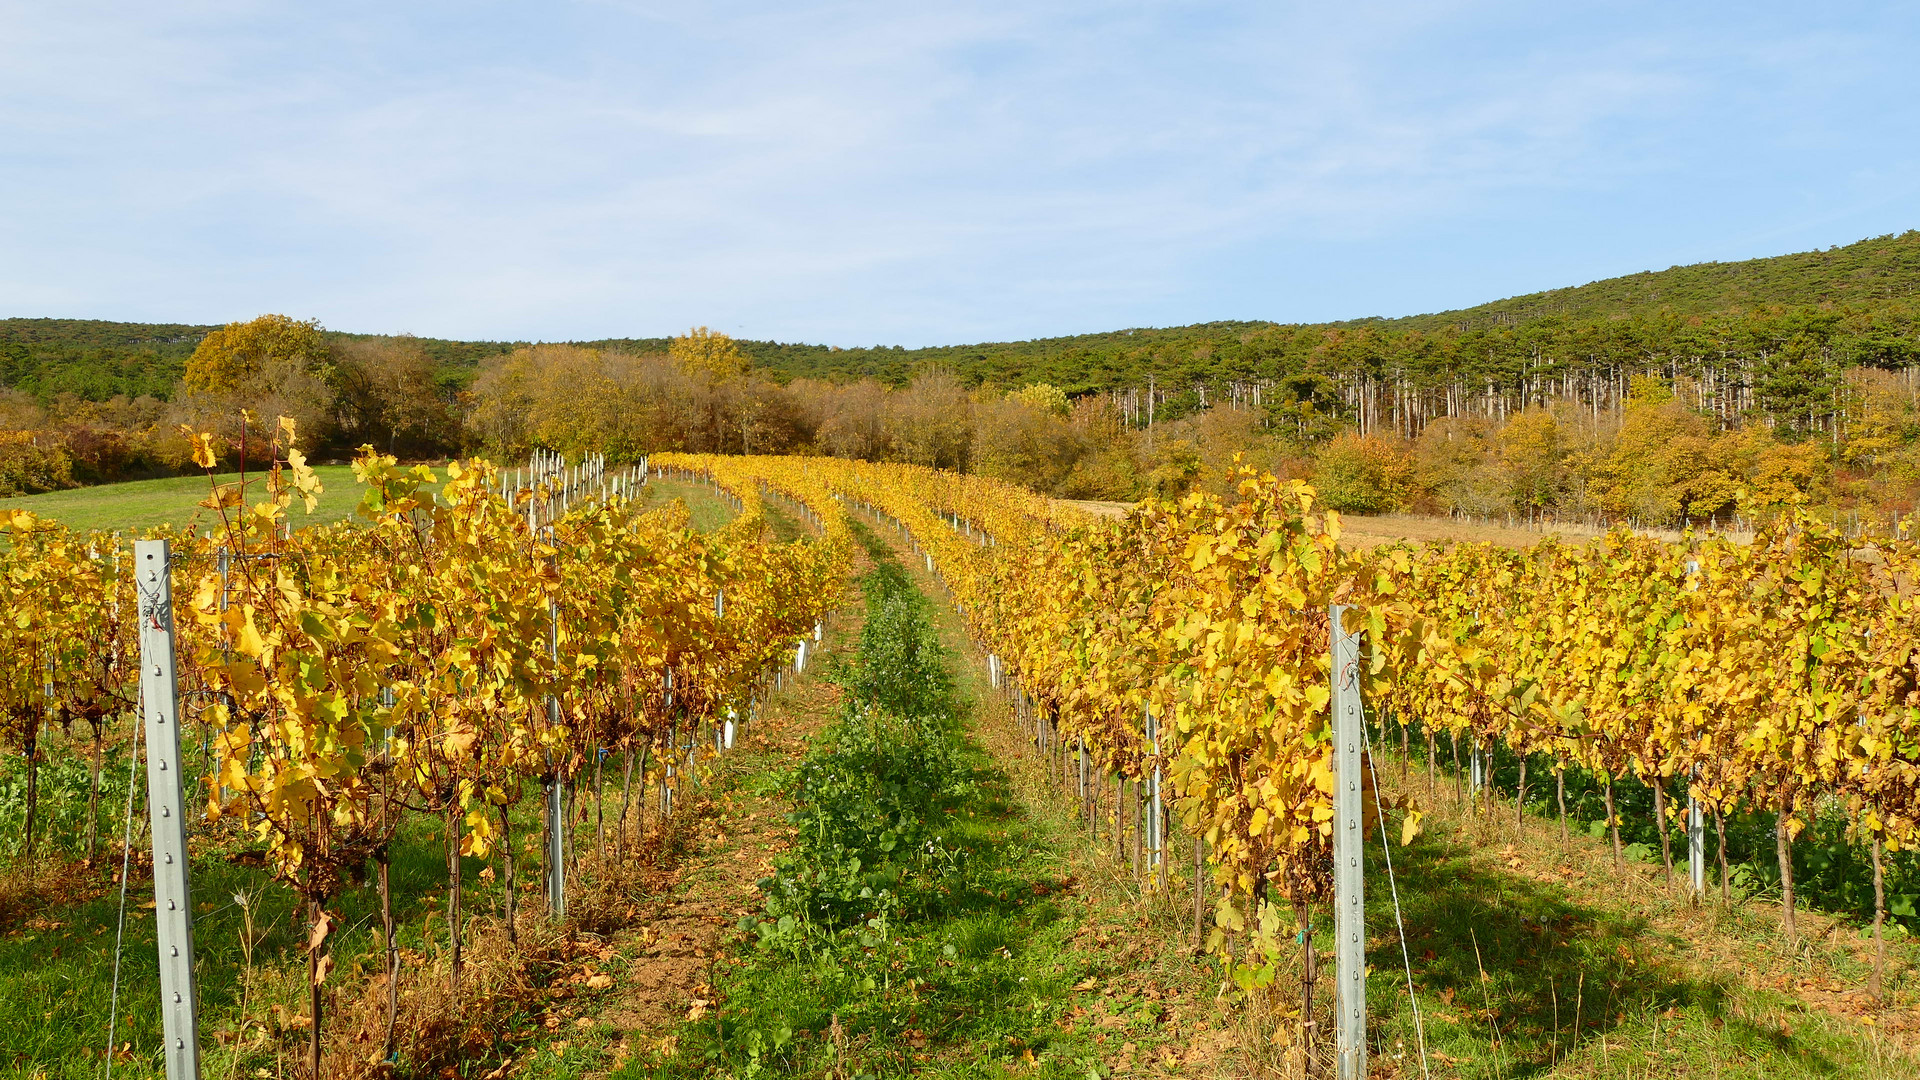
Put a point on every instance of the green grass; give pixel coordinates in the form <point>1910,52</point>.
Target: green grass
<point>706,509</point>
<point>921,914</point>
<point>1530,958</point>
<point>56,967</point>
<point>1517,978</point>
<point>142,504</point>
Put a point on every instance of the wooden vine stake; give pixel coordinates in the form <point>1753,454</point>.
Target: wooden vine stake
<point>1349,845</point>
<point>172,891</point>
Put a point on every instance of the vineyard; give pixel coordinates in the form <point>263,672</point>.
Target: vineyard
<point>540,671</point>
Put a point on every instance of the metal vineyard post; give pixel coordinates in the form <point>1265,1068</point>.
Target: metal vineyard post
<point>1349,844</point>
<point>172,891</point>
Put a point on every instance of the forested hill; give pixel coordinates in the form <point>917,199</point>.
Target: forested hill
<point>1866,273</point>
<point>1858,304</point>
<point>97,359</point>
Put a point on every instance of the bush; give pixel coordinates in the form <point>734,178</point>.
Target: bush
<point>31,462</point>
<point>1360,475</point>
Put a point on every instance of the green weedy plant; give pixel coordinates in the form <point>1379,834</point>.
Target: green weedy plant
<point>61,817</point>
<point>868,791</point>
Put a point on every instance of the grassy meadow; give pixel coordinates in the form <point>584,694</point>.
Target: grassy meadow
<point>174,500</point>
<point>136,505</point>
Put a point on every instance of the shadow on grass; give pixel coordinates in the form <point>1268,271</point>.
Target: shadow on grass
<point>57,970</point>
<point>1514,976</point>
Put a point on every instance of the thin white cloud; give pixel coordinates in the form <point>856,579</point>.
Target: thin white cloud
<point>858,172</point>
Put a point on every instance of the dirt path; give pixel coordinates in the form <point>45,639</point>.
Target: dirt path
<point>663,968</point>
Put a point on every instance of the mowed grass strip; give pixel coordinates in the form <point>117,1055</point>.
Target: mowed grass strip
<point>137,505</point>
<point>923,925</point>
<point>707,510</point>
<point>1530,958</point>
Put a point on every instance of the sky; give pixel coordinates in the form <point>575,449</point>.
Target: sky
<point>921,173</point>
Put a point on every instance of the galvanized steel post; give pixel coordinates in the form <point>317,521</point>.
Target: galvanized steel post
<point>166,802</point>
<point>1349,846</point>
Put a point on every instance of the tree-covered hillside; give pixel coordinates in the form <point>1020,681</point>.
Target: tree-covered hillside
<point>1862,274</point>
<point>1852,305</point>
<point>97,359</point>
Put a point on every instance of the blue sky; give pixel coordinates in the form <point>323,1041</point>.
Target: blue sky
<point>921,173</point>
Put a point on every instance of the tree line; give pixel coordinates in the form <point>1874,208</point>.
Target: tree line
<point>1654,443</point>
<point>1654,397</point>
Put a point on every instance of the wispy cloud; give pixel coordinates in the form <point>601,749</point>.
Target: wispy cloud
<point>862,172</point>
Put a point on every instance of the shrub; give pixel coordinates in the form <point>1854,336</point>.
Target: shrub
<point>32,462</point>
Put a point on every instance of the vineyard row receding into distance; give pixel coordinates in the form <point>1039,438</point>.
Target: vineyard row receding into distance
<point>535,629</point>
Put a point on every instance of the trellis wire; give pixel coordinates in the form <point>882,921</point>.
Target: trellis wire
<point>120,932</point>
<point>1400,929</point>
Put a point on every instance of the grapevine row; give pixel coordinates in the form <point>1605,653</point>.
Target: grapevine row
<point>442,656</point>
<point>1756,677</point>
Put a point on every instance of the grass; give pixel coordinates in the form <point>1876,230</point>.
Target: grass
<point>58,949</point>
<point>1530,959</point>
<point>142,504</point>
<point>56,969</point>
<point>706,509</point>
<point>926,925</point>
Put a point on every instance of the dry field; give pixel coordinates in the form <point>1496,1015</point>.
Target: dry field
<point>1368,530</point>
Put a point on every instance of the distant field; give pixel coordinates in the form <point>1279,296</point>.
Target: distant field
<point>1364,530</point>
<point>143,504</point>
<point>705,510</point>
